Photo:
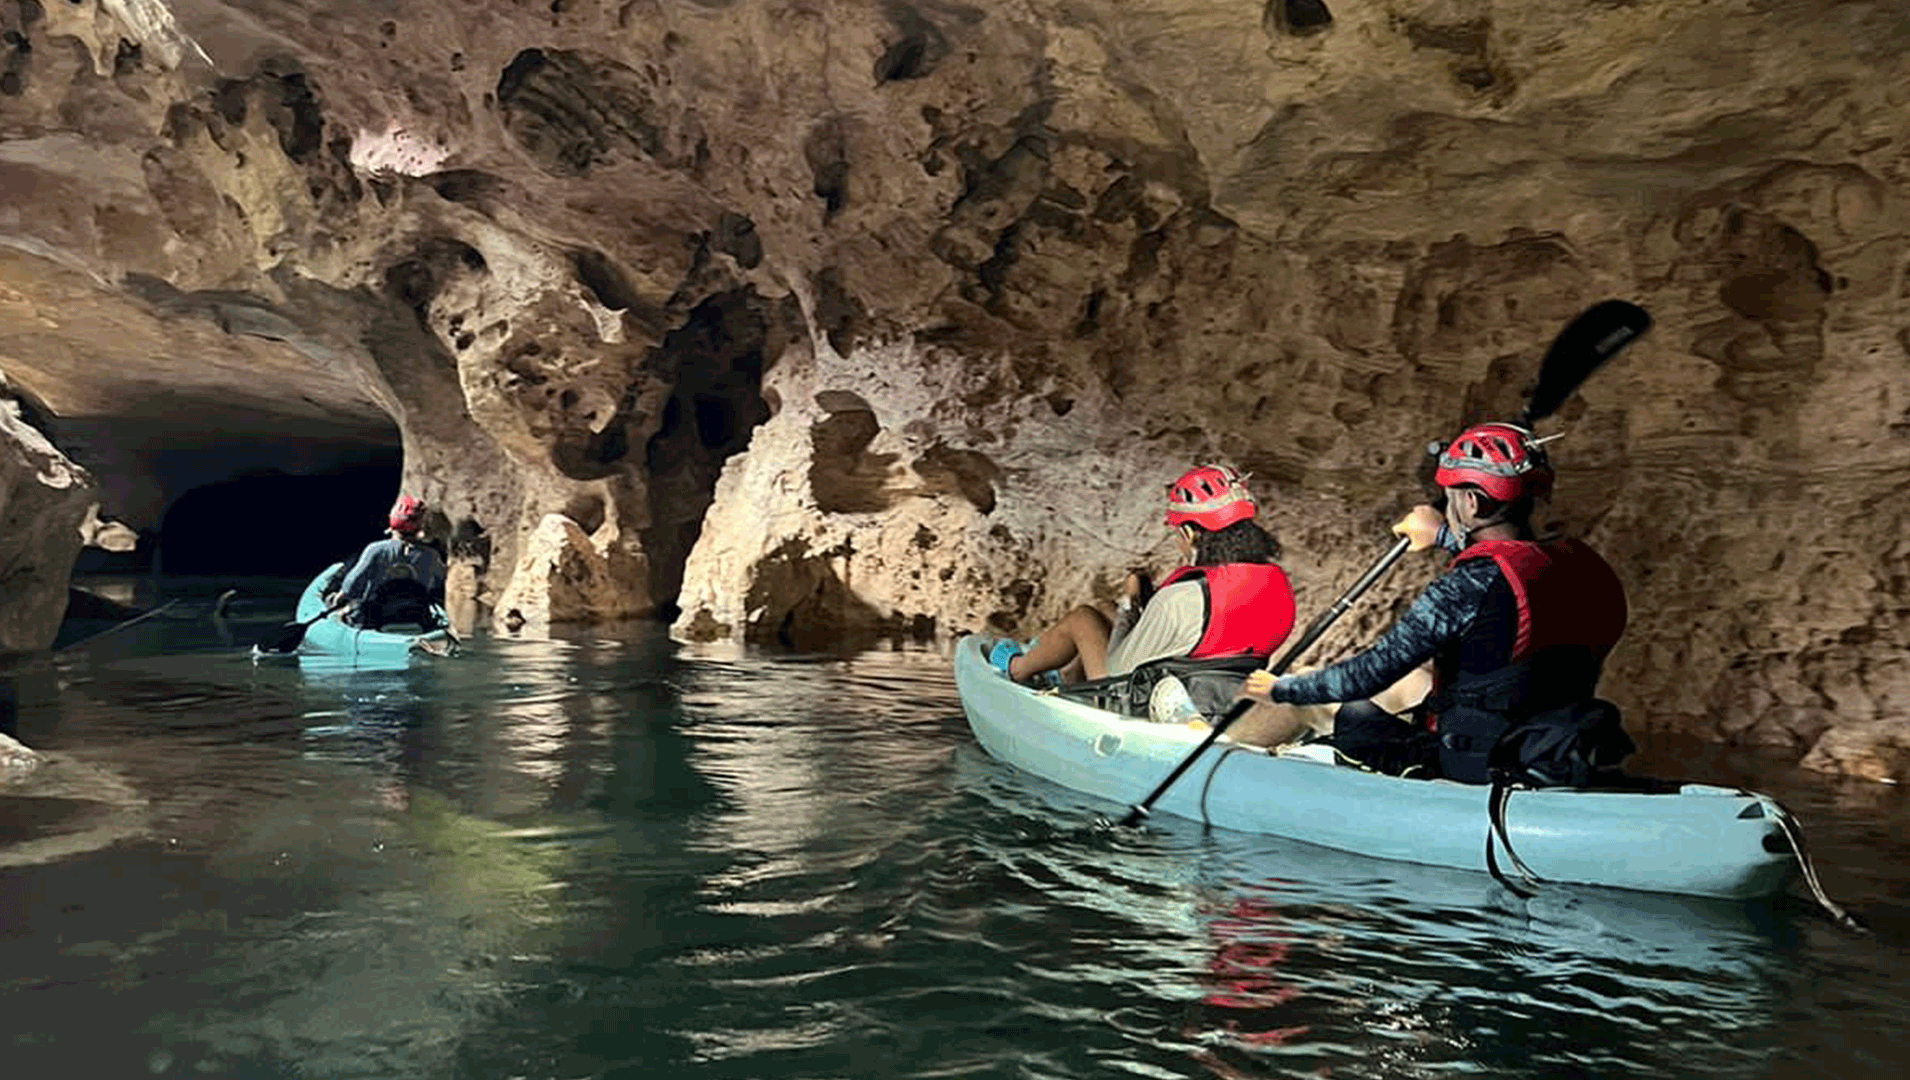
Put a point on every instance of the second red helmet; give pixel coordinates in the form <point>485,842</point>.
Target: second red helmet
<point>1502,460</point>
<point>1210,496</point>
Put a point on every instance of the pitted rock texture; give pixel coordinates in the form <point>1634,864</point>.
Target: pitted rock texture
<point>894,315</point>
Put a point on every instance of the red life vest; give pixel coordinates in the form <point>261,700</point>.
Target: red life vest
<point>1249,608</point>
<point>1571,612</point>
<point>1567,594</point>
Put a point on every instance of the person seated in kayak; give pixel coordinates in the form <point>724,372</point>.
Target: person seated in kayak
<point>1229,598</point>
<point>397,579</point>
<point>1516,629</point>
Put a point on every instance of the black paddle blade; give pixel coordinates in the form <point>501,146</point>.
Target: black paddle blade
<point>1597,335</point>
<point>285,639</point>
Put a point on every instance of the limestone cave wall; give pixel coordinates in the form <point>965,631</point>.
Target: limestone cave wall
<point>805,320</point>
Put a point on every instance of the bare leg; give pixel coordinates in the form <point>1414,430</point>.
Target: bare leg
<point>1079,639</point>
<point>1409,691</point>
<point>1269,725</point>
<point>1274,725</point>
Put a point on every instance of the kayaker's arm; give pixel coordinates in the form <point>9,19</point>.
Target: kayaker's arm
<point>1438,615</point>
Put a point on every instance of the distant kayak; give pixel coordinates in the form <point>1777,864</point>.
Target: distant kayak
<point>1690,839</point>
<point>394,644</point>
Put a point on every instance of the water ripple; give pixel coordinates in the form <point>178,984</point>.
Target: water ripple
<point>586,859</point>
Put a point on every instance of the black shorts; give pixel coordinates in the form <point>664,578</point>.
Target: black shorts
<point>1368,736</point>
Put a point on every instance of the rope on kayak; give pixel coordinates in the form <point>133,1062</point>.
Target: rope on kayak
<point>1496,802</point>
<point>1794,833</point>
<point>1207,784</point>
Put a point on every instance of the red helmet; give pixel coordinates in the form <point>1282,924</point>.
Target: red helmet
<point>1502,460</point>
<point>1211,496</point>
<point>407,514</point>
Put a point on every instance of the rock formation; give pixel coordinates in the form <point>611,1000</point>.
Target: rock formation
<point>892,316</point>
<point>16,761</point>
<point>43,499</point>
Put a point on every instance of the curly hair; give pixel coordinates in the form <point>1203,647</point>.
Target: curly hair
<point>1241,542</point>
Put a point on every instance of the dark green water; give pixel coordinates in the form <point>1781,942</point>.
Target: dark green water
<point>583,860</point>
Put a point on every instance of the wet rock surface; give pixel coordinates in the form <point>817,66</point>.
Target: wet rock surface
<point>16,761</point>
<point>893,317</point>
<point>43,498</point>
<point>53,806</point>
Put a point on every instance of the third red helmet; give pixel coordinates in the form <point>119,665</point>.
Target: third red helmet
<point>1502,460</point>
<point>407,514</point>
<point>1211,496</point>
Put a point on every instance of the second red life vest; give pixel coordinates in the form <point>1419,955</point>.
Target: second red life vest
<point>1249,608</point>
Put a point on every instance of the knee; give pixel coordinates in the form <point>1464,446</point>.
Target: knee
<point>1086,616</point>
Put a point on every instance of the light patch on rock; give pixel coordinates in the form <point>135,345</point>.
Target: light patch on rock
<point>149,22</point>
<point>609,321</point>
<point>106,535</point>
<point>16,760</point>
<point>397,149</point>
<point>1873,749</point>
<point>563,576</point>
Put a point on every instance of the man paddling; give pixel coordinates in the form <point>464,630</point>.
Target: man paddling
<point>396,579</point>
<point>1517,631</point>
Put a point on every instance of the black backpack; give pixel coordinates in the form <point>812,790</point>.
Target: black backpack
<point>1569,746</point>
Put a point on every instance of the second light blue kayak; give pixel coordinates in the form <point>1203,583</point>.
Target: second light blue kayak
<point>333,638</point>
<point>1695,839</point>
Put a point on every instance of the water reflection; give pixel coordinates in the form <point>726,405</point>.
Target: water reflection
<point>1372,971</point>
<point>586,859</point>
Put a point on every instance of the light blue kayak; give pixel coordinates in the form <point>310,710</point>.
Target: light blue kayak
<point>1695,840</point>
<point>333,638</point>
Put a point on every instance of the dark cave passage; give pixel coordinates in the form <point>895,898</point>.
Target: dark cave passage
<point>719,356</point>
<point>278,524</point>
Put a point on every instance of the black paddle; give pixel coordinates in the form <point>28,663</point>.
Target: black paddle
<point>1239,708</point>
<point>286,639</point>
<point>1597,335</point>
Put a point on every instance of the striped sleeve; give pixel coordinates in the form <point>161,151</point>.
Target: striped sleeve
<point>1438,615</point>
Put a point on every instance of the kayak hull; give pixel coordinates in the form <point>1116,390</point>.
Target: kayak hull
<point>335,639</point>
<point>1700,840</point>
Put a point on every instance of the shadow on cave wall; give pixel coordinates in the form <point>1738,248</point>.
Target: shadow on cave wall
<point>718,357</point>
<point>810,607</point>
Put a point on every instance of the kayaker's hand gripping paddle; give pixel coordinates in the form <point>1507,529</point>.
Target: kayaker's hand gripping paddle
<point>1597,335</point>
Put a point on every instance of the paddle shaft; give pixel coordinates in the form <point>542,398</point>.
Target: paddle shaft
<point>1312,634</point>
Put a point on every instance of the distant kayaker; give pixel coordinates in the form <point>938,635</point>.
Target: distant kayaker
<point>1516,629</point>
<point>397,579</point>
<point>1229,598</point>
